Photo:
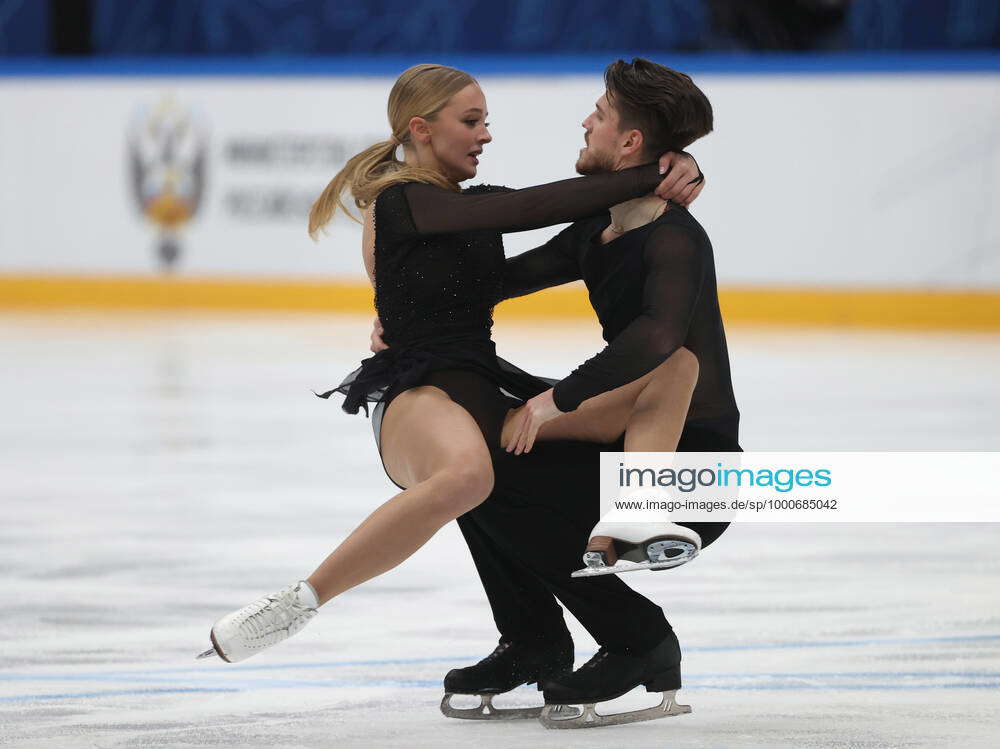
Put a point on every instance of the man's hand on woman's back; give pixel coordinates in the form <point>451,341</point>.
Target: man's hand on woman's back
<point>377,331</point>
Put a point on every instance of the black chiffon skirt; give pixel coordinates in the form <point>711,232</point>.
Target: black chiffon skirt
<point>468,370</point>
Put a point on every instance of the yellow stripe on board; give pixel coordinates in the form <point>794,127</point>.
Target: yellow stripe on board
<point>193,293</point>
<point>894,308</point>
<point>885,308</point>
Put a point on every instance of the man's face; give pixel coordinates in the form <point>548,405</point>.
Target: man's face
<point>603,140</point>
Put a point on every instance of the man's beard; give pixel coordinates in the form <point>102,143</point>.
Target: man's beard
<point>594,162</point>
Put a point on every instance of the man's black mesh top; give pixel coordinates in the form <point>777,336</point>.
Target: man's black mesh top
<point>654,290</point>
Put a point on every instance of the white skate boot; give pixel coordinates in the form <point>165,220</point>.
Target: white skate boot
<point>626,547</point>
<point>265,622</point>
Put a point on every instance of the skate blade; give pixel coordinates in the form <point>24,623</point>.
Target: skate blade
<point>555,716</point>
<point>207,654</point>
<point>486,710</point>
<point>623,565</point>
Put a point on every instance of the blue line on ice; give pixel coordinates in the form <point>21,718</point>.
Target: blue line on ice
<point>435,684</point>
<point>114,693</point>
<point>229,673</point>
<point>842,643</point>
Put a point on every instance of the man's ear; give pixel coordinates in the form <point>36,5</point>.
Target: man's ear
<point>633,141</point>
<point>420,131</point>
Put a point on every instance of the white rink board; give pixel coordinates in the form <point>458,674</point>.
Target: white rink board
<point>885,180</point>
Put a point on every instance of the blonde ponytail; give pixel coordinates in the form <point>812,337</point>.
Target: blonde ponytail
<point>360,165</point>
<point>421,91</point>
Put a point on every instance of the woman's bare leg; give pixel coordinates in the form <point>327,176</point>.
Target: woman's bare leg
<point>433,446</point>
<point>661,408</point>
<point>650,411</point>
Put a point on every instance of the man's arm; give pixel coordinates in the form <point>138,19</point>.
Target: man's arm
<point>554,263</point>
<point>675,265</point>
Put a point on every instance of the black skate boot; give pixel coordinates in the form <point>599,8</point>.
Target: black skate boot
<point>510,665</point>
<point>609,675</point>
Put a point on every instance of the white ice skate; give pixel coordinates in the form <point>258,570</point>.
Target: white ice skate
<point>626,547</point>
<point>265,622</point>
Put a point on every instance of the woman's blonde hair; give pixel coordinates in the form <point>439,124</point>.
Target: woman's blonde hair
<point>421,91</point>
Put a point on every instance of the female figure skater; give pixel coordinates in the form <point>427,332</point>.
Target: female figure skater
<point>435,255</point>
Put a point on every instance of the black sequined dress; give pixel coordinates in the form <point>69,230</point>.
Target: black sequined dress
<point>439,270</point>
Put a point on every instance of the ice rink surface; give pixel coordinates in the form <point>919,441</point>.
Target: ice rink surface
<point>158,471</point>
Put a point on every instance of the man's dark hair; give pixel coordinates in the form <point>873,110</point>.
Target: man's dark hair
<point>663,104</point>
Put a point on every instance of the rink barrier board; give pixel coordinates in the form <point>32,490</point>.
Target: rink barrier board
<point>892,308</point>
<point>920,218</point>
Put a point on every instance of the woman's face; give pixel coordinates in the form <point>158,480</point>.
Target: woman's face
<point>459,132</point>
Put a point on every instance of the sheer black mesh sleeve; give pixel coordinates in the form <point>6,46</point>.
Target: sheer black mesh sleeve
<point>675,266</point>
<point>555,262</point>
<point>438,211</point>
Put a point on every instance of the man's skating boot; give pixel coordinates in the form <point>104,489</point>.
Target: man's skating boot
<point>607,676</point>
<point>510,665</point>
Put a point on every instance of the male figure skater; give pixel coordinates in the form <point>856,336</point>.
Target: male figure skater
<point>650,273</point>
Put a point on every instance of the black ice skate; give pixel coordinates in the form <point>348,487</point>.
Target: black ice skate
<point>607,676</point>
<point>510,665</point>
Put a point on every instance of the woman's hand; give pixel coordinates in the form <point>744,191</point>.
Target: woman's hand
<point>527,420</point>
<point>377,343</point>
<point>683,180</point>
